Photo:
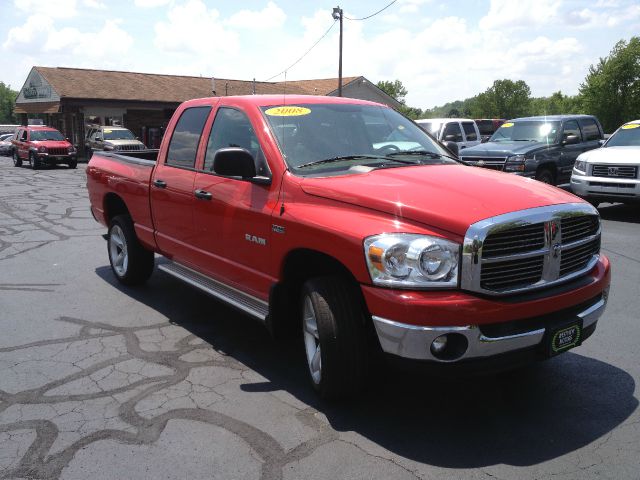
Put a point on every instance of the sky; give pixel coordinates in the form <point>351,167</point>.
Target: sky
<point>440,50</point>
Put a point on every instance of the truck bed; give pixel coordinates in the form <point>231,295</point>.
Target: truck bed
<point>112,175</point>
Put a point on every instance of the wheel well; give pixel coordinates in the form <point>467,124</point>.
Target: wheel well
<point>114,205</point>
<point>548,166</point>
<point>299,266</point>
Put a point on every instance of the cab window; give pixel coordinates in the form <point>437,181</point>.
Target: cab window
<point>186,137</point>
<point>469,131</point>
<point>232,128</point>
<point>452,130</point>
<point>571,128</point>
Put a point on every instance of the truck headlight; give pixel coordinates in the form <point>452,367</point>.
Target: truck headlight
<point>515,164</point>
<point>108,147</point>
<point>71,150</point>
<point>406,260</point>
<point>42,149</point>
<point>580,166</point>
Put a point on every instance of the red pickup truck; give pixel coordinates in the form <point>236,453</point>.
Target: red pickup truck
<point>344,221</point>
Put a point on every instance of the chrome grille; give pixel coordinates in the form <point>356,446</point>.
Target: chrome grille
<point>575,228</point>
<point>576,258</point>
<point>514,240</point>
<point>511,273</point>
<point>530,249</point>
<point>58,151</point>
<point>616,171</point>
<point>494,163</point>
<point>129,147</point>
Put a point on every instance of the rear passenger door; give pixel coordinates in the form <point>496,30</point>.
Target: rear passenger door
<point>172,195</point>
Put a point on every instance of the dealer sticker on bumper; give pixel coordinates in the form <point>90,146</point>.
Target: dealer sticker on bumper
<point>566,338</point>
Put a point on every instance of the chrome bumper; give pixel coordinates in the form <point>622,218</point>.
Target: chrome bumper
<point>414,342</point>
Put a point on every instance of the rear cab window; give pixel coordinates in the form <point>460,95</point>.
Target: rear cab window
<point>185,138</point>
<point>590,129</point>
<point>470,131</point>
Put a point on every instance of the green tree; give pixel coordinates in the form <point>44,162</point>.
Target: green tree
<point>394,89</point>
<point>7,103</point>
<point>504,99</point>
<point>611,89</point>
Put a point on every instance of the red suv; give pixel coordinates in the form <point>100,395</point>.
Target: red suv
<point>42,145</point>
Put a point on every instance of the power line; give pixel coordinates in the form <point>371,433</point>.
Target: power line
<point>304,55</point>
<point>373,14</point>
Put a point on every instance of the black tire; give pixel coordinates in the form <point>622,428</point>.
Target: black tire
<point>35,162</point>
<point>17,161</point>
<point>138,261</point>
<point>545,175</point>
<point>73,163</point>
<point>340,335</point>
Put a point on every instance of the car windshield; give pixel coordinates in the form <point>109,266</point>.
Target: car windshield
<point>527,131</point>
<point>316,138</point>
<point>123,134</point>
<point>628,135</point>
<point>40,135</point>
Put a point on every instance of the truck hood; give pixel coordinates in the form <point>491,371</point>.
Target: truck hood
<point>617,155</point>
<point>501,149</point>
<point>117,143</point>
<point>51,143</point>
<point>447,197</point>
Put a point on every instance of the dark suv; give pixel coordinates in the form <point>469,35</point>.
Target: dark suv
<point>544,148</point>
<point>42,145</point>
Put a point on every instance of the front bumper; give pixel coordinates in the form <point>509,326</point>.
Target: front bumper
<point>413,342</point>
<point>55,159</point>
<point>407,322</point>
<point>605,188</point>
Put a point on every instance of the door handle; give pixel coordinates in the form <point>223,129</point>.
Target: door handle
<point>160,183</point>
<point>202,194</point>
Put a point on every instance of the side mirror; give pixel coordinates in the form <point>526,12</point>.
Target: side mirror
<point>452,147</point>
<point>601,142</point>
<point>98,138</point>
<point>450,138</point>
<point>571,140</point>
<point>234,162</point>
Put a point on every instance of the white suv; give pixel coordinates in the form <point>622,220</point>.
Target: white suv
<point>610,173</point>
<point>463,131</point>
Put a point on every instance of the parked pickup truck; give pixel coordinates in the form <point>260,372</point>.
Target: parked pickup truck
<point>301,212</point>
<point>544,148</point>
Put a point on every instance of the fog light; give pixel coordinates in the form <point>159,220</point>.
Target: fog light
<point>439,344</point>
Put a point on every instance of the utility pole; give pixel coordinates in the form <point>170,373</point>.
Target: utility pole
<point>337,15</point>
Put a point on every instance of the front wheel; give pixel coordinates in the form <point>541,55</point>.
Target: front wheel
<point>333,325</point>
<point>17,161</point>
<point>545,175</point>
<point>35,162</point>
<point>131,263</point>
<point>73,163</point>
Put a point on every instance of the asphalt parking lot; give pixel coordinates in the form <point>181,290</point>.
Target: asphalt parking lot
<point>106,382</point>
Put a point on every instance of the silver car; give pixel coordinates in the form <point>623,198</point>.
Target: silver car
<point>610,173</point>
<point>6,147</point>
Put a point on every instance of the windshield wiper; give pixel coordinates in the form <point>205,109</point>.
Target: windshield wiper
<point>422,153</point>
<point>353,157</point>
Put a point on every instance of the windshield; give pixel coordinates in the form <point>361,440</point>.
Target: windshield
<point>123,134</point>
<point>39,135</point>
<point>626,136</point>
<point>336,137</point>
<point>527,131</point>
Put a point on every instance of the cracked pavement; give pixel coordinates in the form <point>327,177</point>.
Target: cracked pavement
<point>103,381</point>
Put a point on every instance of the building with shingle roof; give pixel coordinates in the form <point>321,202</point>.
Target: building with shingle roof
<point>72,99</point>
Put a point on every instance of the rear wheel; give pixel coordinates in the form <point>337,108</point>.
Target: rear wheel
<point>545,175</point>
<point>131,263</point>
<point>17,161</point>
<point>335,341</point>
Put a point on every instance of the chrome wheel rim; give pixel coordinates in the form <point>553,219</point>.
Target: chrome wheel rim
<point>312,341</point>
<point>118,251</point>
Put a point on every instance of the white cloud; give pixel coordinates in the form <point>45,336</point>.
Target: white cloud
<point>269,18</point>
<point>509,14</point>
<point>411,6</point>
<point>94,4</point>
<point>192,28</point>
<point>609,17</point>
<point>50,8</point>
<point>150,3</point>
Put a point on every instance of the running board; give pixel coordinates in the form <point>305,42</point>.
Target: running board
<point>247,303</point>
